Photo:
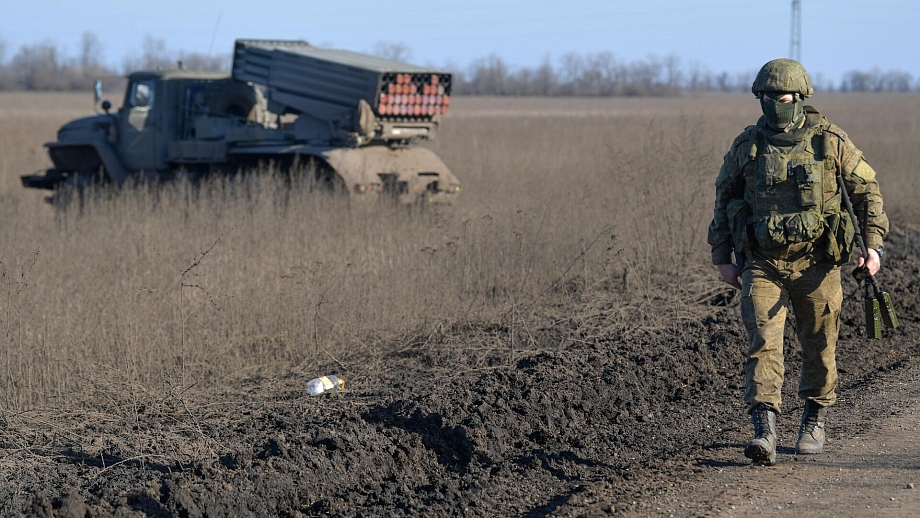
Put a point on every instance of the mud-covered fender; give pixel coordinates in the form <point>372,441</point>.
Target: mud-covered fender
<point>407,173</point>
<point>417,167</point>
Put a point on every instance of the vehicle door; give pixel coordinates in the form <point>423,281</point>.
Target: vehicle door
<point>139,127</point>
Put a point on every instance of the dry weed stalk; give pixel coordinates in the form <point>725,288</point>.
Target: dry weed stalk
<point>178,299</point>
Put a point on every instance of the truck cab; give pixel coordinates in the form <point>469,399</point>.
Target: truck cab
<point>354,119</point>
<point>176,120</point>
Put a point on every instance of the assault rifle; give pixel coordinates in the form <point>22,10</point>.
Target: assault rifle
<point>879,308</point>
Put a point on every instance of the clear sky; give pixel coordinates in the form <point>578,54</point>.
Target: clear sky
<point>729,35</point>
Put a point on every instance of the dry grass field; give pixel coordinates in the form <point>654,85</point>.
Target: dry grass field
<point>588,214</point>
<point>98,299</point>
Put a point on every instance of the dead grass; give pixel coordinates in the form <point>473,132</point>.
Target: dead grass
<point>593,211</point>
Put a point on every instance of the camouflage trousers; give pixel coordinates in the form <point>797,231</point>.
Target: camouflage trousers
<point>813,291</point>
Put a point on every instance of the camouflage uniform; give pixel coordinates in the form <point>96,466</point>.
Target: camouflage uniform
<point>777,203</point>
<point>779,209</point>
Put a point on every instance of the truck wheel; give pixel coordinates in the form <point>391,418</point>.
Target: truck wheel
<point>330,182</point>
<point>314,175</point>
<point>323,178</point>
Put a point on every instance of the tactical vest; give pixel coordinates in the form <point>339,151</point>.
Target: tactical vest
<point>790,196</point>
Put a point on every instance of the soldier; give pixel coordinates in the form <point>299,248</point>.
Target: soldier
<point>779,210</point>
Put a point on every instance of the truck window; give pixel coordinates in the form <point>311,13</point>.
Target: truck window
<point>142,94</point>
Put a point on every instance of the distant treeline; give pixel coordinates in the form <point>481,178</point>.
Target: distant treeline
<point>43,66</point>
<point>603,74</point>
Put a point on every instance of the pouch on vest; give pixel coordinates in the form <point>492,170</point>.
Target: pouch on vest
<point>809,193</point>
<point>739,213</point>
<point>839,237</point>
<point>775,169</point>
<point>785,229</point>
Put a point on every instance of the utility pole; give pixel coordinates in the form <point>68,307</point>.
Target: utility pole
<point>795,35</point>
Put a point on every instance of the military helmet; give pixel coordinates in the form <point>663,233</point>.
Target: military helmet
<point>783,75</point>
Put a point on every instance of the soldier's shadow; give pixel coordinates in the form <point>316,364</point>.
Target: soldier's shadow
<point>735,451</point>
<point>723,455</point>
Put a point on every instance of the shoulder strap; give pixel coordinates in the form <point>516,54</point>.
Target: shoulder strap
<point>749,137</point>
<point>821,139</point>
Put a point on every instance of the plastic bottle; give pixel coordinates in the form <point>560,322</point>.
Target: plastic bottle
<point>330,383</point>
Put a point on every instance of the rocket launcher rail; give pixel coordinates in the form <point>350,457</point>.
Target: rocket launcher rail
<point>322,82</point>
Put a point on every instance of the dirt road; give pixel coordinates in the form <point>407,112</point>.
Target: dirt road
<point>871,467</point>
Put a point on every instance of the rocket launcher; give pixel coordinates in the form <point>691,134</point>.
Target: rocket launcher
<point>879,307</point>
<point>381,99</point>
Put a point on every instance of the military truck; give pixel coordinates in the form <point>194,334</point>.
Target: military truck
<point>348,120</point>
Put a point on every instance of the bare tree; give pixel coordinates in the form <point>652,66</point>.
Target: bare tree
<point>200,61</point>
<point>822,83</point>
<point>6,79</point>
<point>674,76</point>
<point>153,56</point>
<point>90,54</point>
<point>154,53</point>
<point>489,75</point>
<point>572,65</point>
<point>36,67</point>
<point>742,81</point>
<point>545,78</point>
<point>700,79</point>
<point>396,50</point>
<point>856,81</point>
<point>458,77</point>
<point>521,82</point>
<point>723,82</point>
<point>896,81</point>
<point>644,76</point>
<point>598,74</point>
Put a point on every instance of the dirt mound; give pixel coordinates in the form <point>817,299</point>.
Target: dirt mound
<point>579,420</point>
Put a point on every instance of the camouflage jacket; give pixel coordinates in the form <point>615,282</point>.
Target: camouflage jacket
<point>735,184</point>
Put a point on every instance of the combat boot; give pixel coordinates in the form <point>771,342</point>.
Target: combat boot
<point>811,431</point>
<point>762,448</point>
